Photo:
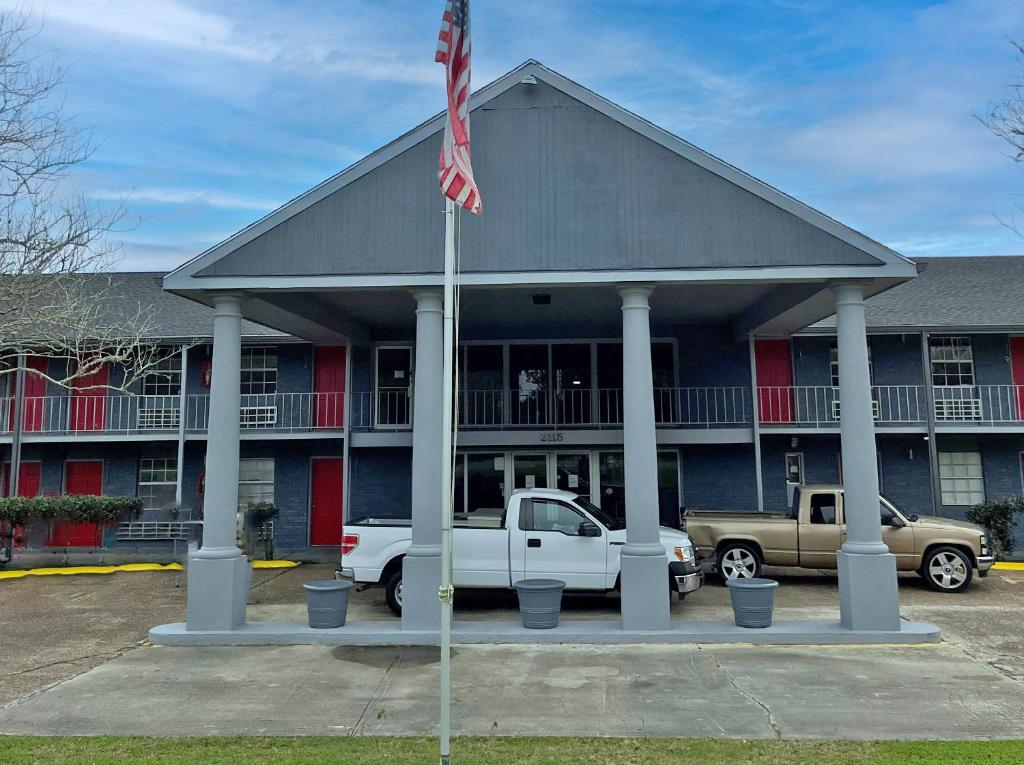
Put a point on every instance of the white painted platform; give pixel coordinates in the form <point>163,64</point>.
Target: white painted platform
<point>390,633</point>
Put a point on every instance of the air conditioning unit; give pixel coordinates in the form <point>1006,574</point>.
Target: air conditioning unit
<point>147,531</point>
<point>876,411</point>
<point>958,409</point>
<point>258,416</point>
<point>159,418</point>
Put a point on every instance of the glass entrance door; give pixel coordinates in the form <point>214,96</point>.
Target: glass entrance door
<point>530,471</point>
<point>572,473</point>
<point>394,382</point>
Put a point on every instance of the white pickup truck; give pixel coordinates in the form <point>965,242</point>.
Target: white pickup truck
<point>543,533</point>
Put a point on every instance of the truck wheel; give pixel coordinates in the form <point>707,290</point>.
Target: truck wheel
<point>947,569</point>
<point>393,593</point>
<point>737,560</point>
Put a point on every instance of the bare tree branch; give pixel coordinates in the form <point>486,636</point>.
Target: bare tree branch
<point>54,247</point>
<point>1006,120</point>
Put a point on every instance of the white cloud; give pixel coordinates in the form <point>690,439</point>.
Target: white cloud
<point>340,40</point>
<point>172,196</point>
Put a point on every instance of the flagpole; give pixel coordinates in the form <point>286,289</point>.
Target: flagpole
<point>446,593</point>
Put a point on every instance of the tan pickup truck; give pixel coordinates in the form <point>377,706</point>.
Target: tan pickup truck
<point>944,552</point>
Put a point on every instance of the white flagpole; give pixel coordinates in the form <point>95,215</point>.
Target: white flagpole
<point>446,593</point>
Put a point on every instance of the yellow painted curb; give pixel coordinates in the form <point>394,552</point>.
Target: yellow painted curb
<point>73,570</point>
<point>1007,566</point>
<point>274,564</point>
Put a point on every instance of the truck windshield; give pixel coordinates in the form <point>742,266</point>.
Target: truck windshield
<point>609,522</point>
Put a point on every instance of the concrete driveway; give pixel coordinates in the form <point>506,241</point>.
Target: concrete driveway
<point>56,628</point>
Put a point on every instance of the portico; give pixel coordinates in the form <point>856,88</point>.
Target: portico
<point>714,251</point>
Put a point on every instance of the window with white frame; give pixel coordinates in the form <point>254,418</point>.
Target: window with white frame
<point>952,361</point>
<point>795,468</point>
<point>259,371</point>
<point>158,480</point>
<point>164,376</point>
<point>833,363</point>
<point>960,478</point>
<point>255,481</point>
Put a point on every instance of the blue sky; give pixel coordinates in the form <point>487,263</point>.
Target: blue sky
<point>213,112</point>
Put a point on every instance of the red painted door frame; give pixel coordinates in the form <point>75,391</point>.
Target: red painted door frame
<point>80,477</point>
<point>773,364</point>
<point>1017,370</point>
<point>329,386</point>
<point>30,476</point>
<point>34,398</point>
<point>88,400</point>
<point>326,500</point>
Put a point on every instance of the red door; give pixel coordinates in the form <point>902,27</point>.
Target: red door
<point>35,393</point>
<point>88,400</point>
<point>1017,367</point>
<point>325,510</point>
<point>329,385</point>
<point>29,483</point>
<point>774,370</point>
<point>80,477</point>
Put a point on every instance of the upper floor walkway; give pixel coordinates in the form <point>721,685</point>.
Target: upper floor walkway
<point>777,408</point>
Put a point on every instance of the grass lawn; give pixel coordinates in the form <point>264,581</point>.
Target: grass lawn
<point>498,750</point>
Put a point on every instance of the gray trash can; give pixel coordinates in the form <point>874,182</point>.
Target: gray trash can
<point>753,601</point>
<point>327,602</point>
<point>540,602</point>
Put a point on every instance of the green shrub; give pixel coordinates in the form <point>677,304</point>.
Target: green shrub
<point>258,513</point>
<point>999,519</point>
<point>76,508</point>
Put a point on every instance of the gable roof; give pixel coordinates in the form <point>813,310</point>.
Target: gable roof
<point>975,292</point>
<point>691,221</point>
<point>171,317</point>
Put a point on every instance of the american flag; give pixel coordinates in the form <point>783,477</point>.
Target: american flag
<point>453,50</point>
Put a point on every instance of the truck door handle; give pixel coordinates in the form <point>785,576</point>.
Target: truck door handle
<point>616,543</point>
<point>533,543</point>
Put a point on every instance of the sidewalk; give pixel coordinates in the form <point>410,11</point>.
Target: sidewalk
<point>739,692</point>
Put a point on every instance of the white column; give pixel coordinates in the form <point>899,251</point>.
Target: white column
<point>421,568</point>
<point>218,572</point>
<point>645,593</point>
<point>868,598</point>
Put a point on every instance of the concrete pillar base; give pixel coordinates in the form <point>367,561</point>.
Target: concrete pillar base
<point>421,579</point>
<point>645,593</point>
<point>217,592</point>
<point>868,591</point>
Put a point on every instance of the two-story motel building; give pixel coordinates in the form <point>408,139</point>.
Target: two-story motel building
<point>600,232</point>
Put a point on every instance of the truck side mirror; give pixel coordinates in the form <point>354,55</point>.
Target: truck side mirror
<point>896,522</point>
<point>589,529</point>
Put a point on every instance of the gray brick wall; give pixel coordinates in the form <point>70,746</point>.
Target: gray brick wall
<point>703,470</point>
<point>381,483</point>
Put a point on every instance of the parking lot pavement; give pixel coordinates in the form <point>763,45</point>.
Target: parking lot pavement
<point>56,628</point>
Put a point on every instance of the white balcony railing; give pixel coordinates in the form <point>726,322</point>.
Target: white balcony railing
<point>567,408</point>
<point>818,406</point>
<point>391,409</point>
<point>83,415</point>
<point>275,412</point>
<point>980,404</point>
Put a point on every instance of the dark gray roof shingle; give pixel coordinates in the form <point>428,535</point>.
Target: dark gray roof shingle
<point>171,316</point>
<point>983,292</point>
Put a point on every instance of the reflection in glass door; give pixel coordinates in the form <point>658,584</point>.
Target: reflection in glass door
<point>394,381</point>
<point>572,473</point>
<point>485,483</point>
<point>528,384</point>
<point>483,393</point>
<point>530,471</point>
<point>613,486</point>
<point>570,365</point>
